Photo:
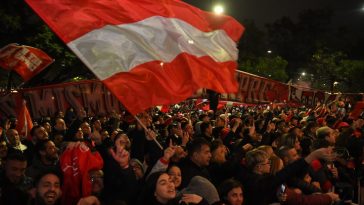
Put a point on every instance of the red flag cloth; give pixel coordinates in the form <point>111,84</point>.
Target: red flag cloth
<point>25,123</point>
<point>148,52</point>
<point>76,162</point>
<point>358,109</point>
<point>25,60</point>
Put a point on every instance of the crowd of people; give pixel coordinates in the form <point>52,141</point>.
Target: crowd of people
<point>238,155</point>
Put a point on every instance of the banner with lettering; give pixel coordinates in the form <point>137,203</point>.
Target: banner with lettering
<point>96,99</point>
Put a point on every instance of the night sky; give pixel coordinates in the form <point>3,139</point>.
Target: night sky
<point>348,13</point>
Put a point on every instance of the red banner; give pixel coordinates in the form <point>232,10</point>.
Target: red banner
<point>94,97</point>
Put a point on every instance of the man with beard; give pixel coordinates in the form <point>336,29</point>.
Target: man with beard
<point>46,158</point>
<point>14,185</point>
<point>47,188</point>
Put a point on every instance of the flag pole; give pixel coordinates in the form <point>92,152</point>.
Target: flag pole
<point>146,129</point>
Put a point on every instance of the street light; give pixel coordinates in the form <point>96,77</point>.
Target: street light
<point>218,9</point>
<point>303,73</point>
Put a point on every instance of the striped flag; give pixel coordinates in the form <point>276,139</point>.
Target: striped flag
<point>148,52</point>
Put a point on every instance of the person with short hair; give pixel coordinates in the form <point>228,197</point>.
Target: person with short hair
<point>46,157</point>
<point>199,155</point>
<point>47,188</point>
<point>14,185</point>
<point>231,192</point>
<point>260,186</point>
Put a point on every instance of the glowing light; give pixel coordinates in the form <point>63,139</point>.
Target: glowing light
<point>303,73</point>
<point>218,9</point>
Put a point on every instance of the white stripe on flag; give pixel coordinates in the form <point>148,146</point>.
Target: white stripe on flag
<point>113,49</point>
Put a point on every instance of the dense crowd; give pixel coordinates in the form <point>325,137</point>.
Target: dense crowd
<point>237,155</point>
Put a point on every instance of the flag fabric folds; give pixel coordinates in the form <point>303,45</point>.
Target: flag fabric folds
<point>25,123</point>
<point>25,60</point>
<point>148,52</point>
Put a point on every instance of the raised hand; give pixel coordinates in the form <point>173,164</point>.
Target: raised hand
<point>191,198</point>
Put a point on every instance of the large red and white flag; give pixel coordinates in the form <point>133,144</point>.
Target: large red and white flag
<point>148,52</point>
<point>25,60</point>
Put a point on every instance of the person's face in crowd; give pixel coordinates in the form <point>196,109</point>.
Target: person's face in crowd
<point>176,130</point>
<point>48,190</point>
<point>104,134</point>
<point>298,132</point>
<point>189,129</point>
<point>13,137</point>
<point>292,156</point>
<point>79,134</point>
<point>138,170</point>
<point>307,178</point>
<point>60,114</point>
<point>97,125</point>
<point>15,170</point>
<point>331,137</point>
<point>202,157</point>
<point>146,119</point>
<point>58,139</point>
<point>297,144</point>
<point>97,181</point>
<point>86,129</point>
<point>7,125</point>
<point>165,189</point>
<point>40,134</point>
<point>123,141</point>
<point>47,127</point>
<point>209,130</point>
<point>294,122</point>
<point>264,167</point>
<point>219,154</point>
<point>235,196</point>
<point>220,122</point>
<point>3,149</point>
<point>175,173</point>
<point>51,152</point>
<point>60,125</point>
<point>103,120</point>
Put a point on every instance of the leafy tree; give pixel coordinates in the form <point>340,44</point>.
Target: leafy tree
<point>335,72</point>
<point>269,67</point>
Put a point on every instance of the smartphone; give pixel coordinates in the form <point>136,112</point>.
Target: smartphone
<point>283,188</point>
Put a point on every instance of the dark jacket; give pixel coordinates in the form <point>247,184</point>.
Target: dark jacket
<point>119,184</point>
<point>262,189</point>
<point>14,194</point>
<point>189,170</point>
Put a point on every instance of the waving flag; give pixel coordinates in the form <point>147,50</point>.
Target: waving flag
<point>25,123</point>
<point>148,52</point>
<point>25,60</point>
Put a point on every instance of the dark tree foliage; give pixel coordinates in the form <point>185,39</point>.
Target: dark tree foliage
<point>21,25</point>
